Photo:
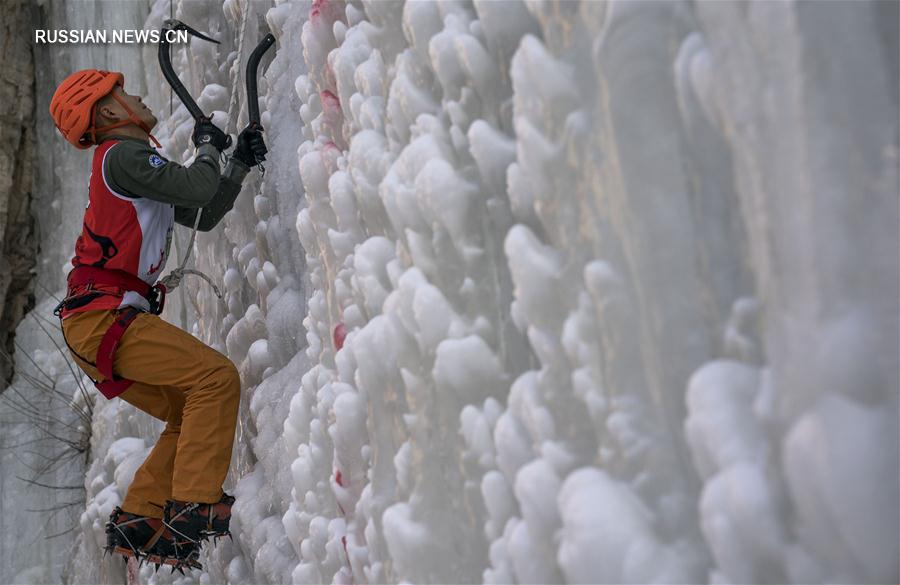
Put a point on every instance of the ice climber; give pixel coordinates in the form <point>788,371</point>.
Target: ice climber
<point>110,314</point>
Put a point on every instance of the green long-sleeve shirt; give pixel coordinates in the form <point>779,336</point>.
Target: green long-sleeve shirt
<point>133,169</point>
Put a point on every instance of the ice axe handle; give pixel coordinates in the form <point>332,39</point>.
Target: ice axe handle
<point>165,63</point>
<point>252,67</point>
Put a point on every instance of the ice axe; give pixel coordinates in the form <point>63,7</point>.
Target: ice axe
<point>165,63</point>
<point>252,94</point>
<point>252,68</point>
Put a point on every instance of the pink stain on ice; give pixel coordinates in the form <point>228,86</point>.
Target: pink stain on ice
<point>340,333</point>
<point>331,152</point>
<point>329,10</point>
<point>339,479</point>
<point>330,102</point>
<point>317,8</point>
<point>332,115</point>
<point>330,80</point>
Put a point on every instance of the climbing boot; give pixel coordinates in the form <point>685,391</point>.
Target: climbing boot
<point>148,540</point>
<point>198,521</point>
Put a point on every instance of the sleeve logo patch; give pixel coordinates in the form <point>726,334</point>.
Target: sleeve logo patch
<point>156,161</point>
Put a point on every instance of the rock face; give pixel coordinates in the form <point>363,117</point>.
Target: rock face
<point>18,241</point>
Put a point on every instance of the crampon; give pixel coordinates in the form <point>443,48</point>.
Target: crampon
<point>149,541</point>
<point>197,521</point>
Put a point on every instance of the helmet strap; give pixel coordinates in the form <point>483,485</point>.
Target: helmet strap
<point>132,119</point>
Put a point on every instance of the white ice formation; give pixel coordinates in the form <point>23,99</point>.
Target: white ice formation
<point>619,282</point>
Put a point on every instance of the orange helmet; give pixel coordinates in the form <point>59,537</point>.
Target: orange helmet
<point>72,105</point>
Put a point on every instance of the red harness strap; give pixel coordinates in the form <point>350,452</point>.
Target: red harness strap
<point>113,386</point>
<point>83,275</point>
<point>90,276</point>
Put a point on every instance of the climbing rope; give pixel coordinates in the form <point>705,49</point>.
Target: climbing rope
<point>173,279</point>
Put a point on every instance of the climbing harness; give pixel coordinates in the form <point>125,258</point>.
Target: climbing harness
<point>86,283</point>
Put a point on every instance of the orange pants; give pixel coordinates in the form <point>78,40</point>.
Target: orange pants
<point>177,379</point>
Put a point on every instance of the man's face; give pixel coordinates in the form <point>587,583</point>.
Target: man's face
<point>113,111</point>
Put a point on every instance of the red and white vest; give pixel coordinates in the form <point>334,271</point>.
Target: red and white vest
<point>124,233</point>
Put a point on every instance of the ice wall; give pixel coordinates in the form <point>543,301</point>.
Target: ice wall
<point>549,291</point>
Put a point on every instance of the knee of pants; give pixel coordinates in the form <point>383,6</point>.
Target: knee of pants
<point>228,379</point>
<point>219,378</point>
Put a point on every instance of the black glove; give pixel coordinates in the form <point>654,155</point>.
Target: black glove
<point>205,132</point>
<point>251,148</point>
